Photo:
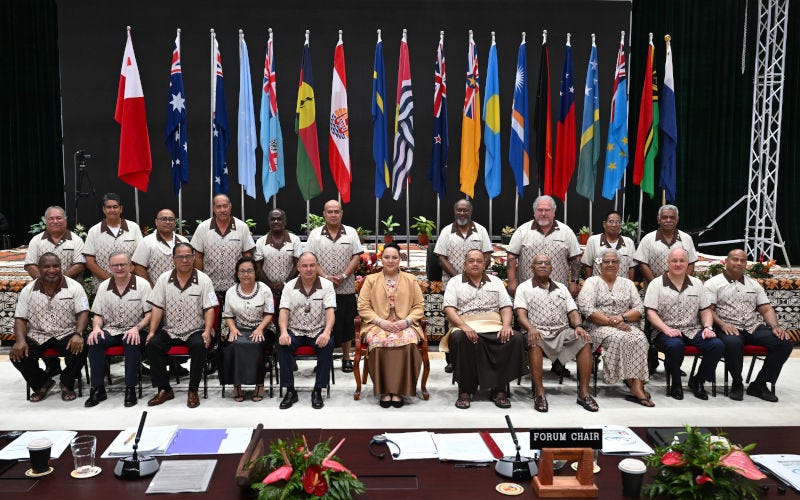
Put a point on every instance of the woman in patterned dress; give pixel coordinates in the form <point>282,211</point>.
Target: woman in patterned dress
<point>390,305</point>
<point>613,308</point>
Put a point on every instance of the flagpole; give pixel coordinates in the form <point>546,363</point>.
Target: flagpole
<point>274,196</point>
<point>516,208</point>
<point>408,219</point>
<point>627,115</point>
<point>211,128</point>
<point>377,200</point>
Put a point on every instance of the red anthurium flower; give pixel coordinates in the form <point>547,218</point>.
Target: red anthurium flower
<point>703,479</point>
<point>284,472</point>
<point>740,462</point>
<point>673,459</point>
<point>333,465</point>
<point>314,482</point>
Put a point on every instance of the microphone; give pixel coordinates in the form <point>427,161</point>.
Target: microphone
<point>381,439</point>
<point>516,467</point>
<point>134,467</point>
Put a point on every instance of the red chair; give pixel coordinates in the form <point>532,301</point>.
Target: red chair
<point>756,352</point>
<point>307,352</point>
<point>119,351</point>
<point>52,353</point>
<point>698,355</point>
<point>362,351</point>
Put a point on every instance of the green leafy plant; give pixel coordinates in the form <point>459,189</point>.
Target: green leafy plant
<point>251,224</point>
<point>629,228</point>
<point>584,230</point>
<point>313,221</point>
<point>361,231</point>
<point>508,231</point>
<point>389,225</point>
<point>422,225</point>
<point>41,225</point>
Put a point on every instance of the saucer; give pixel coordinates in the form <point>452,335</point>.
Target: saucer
<point>30,473</point>
<point>595,469</point>
<point>89,473</point>
<point>511,489</point>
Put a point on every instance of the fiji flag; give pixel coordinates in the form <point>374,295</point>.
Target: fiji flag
<point>176,121</point>
<point>519,146</point>
<point>380,149</point>
<point>491,123</point>
<point>219,125</point>
<point>437,172</point>
<point>272,172</point>
<point>617,148</point>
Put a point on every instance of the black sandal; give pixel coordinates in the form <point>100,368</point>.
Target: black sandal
<point>258,394</point>
<point>588,403</point>
<point>238,395</point>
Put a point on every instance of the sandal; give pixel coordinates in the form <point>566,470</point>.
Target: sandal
<point>42,392</point>
<point>644,402</point>
<point>462,403</point>
<point>258,394</point>
<point>238,395</point>
<point>588,403</point>
<point>540,403</point>
<point>501,400</point>
<point>67,394</point>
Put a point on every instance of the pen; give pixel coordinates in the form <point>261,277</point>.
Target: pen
<point>133,435</point>
<point>470,465</point>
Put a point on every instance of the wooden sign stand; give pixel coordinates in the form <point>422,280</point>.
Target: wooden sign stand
<point>581,486</point>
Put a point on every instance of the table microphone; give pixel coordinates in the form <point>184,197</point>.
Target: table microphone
<point>134,466</point>
<point>381,439</point>
<point>516,467</point>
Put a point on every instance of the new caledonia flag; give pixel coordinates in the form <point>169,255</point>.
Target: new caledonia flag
<point>309,177</point>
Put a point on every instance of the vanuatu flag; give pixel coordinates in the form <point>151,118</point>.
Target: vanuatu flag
<point>646,136</point>
<point>309,177</point>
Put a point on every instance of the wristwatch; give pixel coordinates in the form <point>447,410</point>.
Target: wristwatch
<point>345,276</point>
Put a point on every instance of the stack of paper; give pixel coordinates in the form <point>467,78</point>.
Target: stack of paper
<point>182,476</point>
<point>620,440</point>
<point>411,445</point>
<point>18,448</point>
<point>462,447</point>
<point>154,441</point>
<point>785,467</point>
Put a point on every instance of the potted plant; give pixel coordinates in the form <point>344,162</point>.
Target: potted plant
<point>424,227</point>
<point>583,235</point>
<point>362,233</point>
<point>505,234</point>
<point>630,229</point>
<point>389,227</point>
<point>313,221</point>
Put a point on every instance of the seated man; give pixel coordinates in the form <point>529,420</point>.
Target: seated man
<point>121,312</point>
<point>185,299</point>
<point>677,305</point>
<point>547,311</point>
<point>307,313</point>
<point>485,351</point>
<point>736,303</point>
<point>52,312</point>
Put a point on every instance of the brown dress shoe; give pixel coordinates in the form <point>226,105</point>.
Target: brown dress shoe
<point>161,397</point>
<point>193,401</point>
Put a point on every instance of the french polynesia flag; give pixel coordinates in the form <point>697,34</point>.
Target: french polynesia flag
<point>135,163</point>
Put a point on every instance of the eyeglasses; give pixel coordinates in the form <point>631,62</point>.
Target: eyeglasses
<point>247,271</point>
<point>166,219</point>
<point>610,262</point>
<point>119,266</point>
<point>183,257</point>
<point>614,222</point>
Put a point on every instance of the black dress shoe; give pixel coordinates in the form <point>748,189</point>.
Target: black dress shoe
<point>697,388</point>
<point>130,396</point>
<point>676,392</point>
<point>316,399</point>
<point>737,391</point>
<point>289,399</point>
<point>760,390</point>
<point>347,366</point>
<point>448,368</point>
<point>398,404</point>
<point>385,404</point>
<point>96,395</point>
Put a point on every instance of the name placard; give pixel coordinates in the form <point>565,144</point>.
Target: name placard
<point>567,438</point>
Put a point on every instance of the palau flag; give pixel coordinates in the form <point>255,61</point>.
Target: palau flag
<point>543,126</point>
<point>437,171</point>
<point>176,121</point>
<point>590,131</point>
<point>309,177</point>
<point>669,127</point>
<point>519,144</point>
<point>617,144</point>
<point>246,130</point>
<point>491,120</point>
<point>470,124</point>
<point>219,125</point>
<point>565,130</point>
<point>272,171</point>
<point>339,130</point>
<point>380,141</point>
<point>403,124</point>
<point>646,136</point>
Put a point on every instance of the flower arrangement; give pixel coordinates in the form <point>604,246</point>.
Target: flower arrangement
<point>498,268</point>
<point>703,466</point>
<point>761,268</point>
<point>506,233</point>
<point>300,471</point>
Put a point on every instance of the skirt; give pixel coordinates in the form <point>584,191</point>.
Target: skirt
<point>395,370</point>
<point>624,353</point>
<point>243,360</point>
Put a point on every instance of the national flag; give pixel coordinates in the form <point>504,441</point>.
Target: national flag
<point>339,136</point>
<point>403,124</point>
<point>565,130</point>
<point>272,171</point>
<point>617,147</point>
<point>669,127</point>
<point>380,142</point>
<point>519,143</point>
<point>646,136</point>
<point>219,119</point>
<point>134,141</point>
<point>491,132</point>
<point>437,172</point>
<point>309,177</point>
<point>543,126</point>
<point>246,131</point>
<point>470,124</point>
<point>590,131</point>
<point>176,121</point>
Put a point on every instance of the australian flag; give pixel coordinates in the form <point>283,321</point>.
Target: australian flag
<point>220,126</point>
<point>176,122</point>
<point>437,171</point>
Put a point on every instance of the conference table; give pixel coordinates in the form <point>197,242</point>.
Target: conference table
<point>384,478</point>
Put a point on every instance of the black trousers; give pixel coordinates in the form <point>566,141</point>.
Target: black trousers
<point>324,360</point>
<point>672,347</point>
<point>778,352</point>
<point>98,361</point>
<point>343,327</point>
<point>33,373</point>
<point>157,354</point>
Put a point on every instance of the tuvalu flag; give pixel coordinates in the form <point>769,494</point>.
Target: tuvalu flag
<point>176,121</point>
<point>309,177</point>
<point>135,163</point>
<point>669,127</point>
<point>491,120</point>
<point>565,130</point>
<point>339,133</point>
<point>437,171</point>
<point>471,124</point>
<point>647,136</point>
<point>590,131</point>
<point>543,125</point>
<point>272,171</point>
<point>617,144</point>
<point>380,141</point>
<point>519,143</point>
<point>403,124</point>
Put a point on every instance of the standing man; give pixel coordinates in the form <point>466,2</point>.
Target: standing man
<point>338,249</point>
<point>153,256</point>
<point>458,238</point>
<point>611,237</point>
<point>59,240</point>
<point>307,314</point>
<point>678,308</point>
<point>112,234</point>
<point>739,304</point>
<point>277,252</point>
<point>185,300</point>
<point>485,351</point>
<point>121,316</point>
<point>655,246</point>
<point>52,313</point>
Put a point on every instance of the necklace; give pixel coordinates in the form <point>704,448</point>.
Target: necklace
<point>248,297</point>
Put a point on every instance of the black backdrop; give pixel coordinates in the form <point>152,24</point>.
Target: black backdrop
<point>92,39</point>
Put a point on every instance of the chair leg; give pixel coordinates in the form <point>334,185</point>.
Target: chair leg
<point>357,373</point>
<point>426,370</point>
<point>752,365</point>
<point>725,377</point>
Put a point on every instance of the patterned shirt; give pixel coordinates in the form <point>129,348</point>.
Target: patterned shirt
<point>453,245</point>
<point>154,253</point>
<point>307,312</point>
<point>737,301</point>
<point>597,243</point>
<point>69,249</point>
<point>679,309</point>
<point>595,296</point>
<point>51,317</point>
<point>122,311</point>
<point>654,248</point>
<point>101,242</point>
<point>335,254</point>
<point>278,261</point>
<point>248,310</point>
<point>489,296</point>
<point>183,307</point>
<point>222,250</point>
<point>560,244</point>
<point>547,308</point>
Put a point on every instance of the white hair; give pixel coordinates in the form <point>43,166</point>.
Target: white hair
<point>664,208</point>
<point>544,197</point>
